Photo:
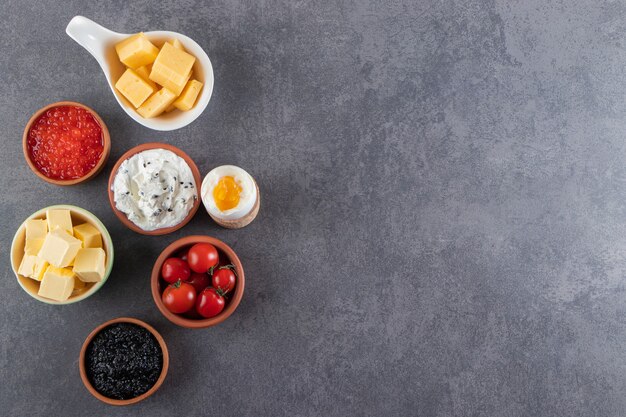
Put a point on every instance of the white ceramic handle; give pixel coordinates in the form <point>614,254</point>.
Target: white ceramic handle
<point>92,36</point>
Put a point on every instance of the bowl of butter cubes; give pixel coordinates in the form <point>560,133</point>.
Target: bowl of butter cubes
<point>61,254</point>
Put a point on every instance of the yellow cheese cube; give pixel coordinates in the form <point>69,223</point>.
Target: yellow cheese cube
<point>170,108</point>
<point>157,103</point>
<point>144,73</point>
<point>134,88</point>
<point>172,68</point>
<point>33,246</point>
<point>27,266</point>
<point>57,283</point>
<point>176,44</point>
<point>89,264</point>
<point>189,95</point>
<point>59,218</point>
<point>180,88</point>
<point>89,235</point>
<point>136,51</point>
<point>40,268</point>
<point>59,248</point>
<point>36,229</point>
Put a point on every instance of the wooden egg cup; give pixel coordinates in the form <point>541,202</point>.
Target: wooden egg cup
<point>245,220</point>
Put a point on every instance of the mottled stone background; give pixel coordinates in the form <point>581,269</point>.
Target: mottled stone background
<point>442,230</point>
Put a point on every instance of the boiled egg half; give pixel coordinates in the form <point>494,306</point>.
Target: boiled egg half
<point>228,192</point>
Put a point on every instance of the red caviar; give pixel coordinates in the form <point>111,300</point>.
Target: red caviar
<point>65,143</point>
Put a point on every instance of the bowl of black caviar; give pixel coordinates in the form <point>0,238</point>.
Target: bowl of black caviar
<point>123,361</point>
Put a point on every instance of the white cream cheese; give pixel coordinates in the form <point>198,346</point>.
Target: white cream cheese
<point>155,189</point>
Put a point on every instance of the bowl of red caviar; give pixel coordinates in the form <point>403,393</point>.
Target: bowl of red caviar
<point>66,143</point>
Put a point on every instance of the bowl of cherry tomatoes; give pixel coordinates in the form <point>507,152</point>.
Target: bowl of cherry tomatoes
<point>197,282</point>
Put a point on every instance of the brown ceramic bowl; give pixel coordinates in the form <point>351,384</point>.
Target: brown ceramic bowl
<point>144,147</point>
<point>157,384</point>
<point>158,285</point>
<point>106,143</point>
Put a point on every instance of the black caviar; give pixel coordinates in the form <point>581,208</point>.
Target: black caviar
<point>123,361</point>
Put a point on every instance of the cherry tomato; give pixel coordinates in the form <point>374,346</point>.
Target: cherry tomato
<point>199,281</point>
<point>202,256</point>
<point>224,278</point>
<point>174,269</point>
<point>210,303</point>
<point>179,297</point>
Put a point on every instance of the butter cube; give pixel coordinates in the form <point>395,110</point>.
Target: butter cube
<point>176,44</point>
<point>33,246</point>
<point>27,266</point>
<point>136,51</point>
<point>40,268</point>
<point>189,95</point>
<point>89,264</point>
<point>59,218</point>
<point>133,87</point>
<point>57,283</point>
<point>144,73</point>
<point>36,229</point>
<point>157,103</point>
<point>78,284</point>
<point>59,248</point>
<point>172,68</point>
<point>89,235</point>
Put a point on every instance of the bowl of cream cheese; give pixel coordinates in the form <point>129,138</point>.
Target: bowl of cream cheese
<point>153,189</point>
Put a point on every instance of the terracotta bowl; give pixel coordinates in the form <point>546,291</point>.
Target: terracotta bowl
<point>157,384</point>
<point>106,142</point>
<point>158,285</point>
<point>79,215</point>
<point>122,216</point>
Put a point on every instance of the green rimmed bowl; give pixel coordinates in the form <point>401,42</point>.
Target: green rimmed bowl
<point>79,215</point>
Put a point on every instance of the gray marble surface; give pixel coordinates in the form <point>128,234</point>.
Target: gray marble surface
<point>443,227</point>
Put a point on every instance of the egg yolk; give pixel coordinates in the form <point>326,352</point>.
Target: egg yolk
<point>226,193</point>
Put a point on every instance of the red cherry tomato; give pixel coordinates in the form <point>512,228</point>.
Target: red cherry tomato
<point>202,256</point>
<point>199,281</point>
<point>179,297</point>
<point>224,278</point>
<point>174,269</point>
<point>210,303</point>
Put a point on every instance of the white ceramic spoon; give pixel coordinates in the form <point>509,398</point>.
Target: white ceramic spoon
<point>100,43</point>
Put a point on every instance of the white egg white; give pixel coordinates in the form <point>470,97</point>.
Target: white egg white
<point>247,197</point>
